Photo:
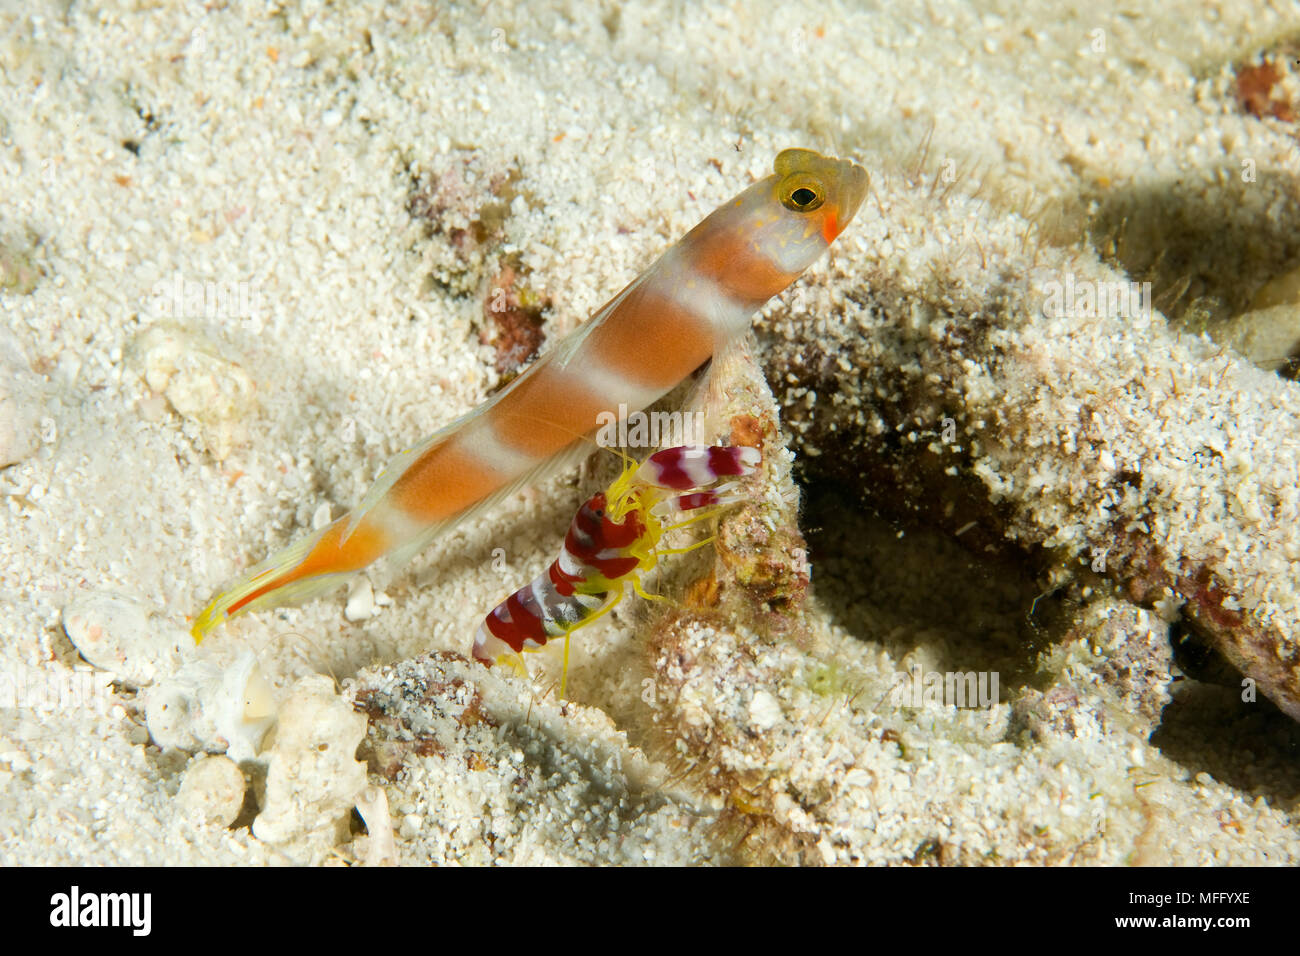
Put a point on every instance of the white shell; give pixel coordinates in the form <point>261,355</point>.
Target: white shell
<point>119,634</point>
<point>202,706</point>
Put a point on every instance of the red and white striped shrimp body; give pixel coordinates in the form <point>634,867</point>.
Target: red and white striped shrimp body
<point>695,300</point>
<point>613,539</point>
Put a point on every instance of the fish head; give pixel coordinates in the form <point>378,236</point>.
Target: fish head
<point>821,193</point>
<point>792,215</point>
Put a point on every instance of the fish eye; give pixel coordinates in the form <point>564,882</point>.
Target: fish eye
<point>600,512</point>
<point>804,194</point>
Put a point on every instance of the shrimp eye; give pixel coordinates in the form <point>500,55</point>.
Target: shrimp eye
<point>802,194</point>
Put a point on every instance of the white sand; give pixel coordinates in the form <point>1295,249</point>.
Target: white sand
<point>281,151</point>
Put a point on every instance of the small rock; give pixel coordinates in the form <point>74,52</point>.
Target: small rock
<point>1112,666</point>
<point>138,735</point>
<point>361,602</point>
<point>380,850</point>
<point>1137,660</point>
<point>171,710</point>
<point>827,851</point>
<point>19,271</point>
<point>1060,712</point>
<point>199,383</point>
<point>1269,333</point>
<point>13,756</point>
<point>212,791</point>
<point>1283,289</point>
<point>764,711</point>
<point>1267,336</point>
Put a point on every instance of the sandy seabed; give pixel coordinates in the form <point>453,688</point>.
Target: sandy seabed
<point>245,256</point>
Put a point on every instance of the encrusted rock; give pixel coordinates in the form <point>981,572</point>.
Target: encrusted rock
<point>313,777</point>
<point>1082,439</point>
<point>1113,667</point>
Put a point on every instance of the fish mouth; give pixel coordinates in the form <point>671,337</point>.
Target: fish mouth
<point>853,189</point>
